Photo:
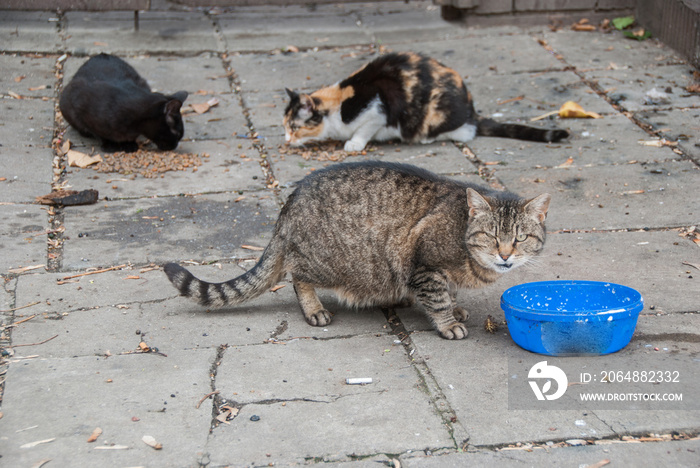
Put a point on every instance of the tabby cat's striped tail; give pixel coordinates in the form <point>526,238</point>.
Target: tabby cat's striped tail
<point>488,127</point>
<point>265,274</point>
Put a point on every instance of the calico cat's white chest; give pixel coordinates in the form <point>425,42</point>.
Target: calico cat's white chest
<point>370,124</point>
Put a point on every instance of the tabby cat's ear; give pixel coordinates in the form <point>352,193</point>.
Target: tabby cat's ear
<point>538,206</point>
<point>477,203</point>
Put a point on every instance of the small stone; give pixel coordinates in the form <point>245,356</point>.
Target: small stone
<point>255,418</point>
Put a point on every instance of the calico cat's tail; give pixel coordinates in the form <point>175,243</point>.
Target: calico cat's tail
<point>488,127</point>
<point>265,274</point>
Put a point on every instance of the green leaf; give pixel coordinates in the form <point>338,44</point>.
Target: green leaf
<point>623,22</point>
<point>636,35</point>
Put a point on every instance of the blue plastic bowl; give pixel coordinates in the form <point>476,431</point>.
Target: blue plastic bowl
<point>571,318</point>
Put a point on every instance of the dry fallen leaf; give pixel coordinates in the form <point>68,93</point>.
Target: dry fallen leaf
<point>82,160</point>
<point>565,164</point>
<point>19,78</point>
<point>573,110</point>
<point>95,434</point>
<point>151,442</point>
<point>201,108</point>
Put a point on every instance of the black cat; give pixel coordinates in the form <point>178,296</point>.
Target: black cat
<point>109,100</point>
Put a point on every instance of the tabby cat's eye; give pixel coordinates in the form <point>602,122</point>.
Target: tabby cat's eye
<point>521,237</point>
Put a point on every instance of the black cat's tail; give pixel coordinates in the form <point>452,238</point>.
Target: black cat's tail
<point>265,274</point>
<point>488,127</point>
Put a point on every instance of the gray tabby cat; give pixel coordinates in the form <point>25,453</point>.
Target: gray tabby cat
<point>379,233</point>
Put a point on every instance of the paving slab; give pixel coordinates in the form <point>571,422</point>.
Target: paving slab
<point>600,51</point>
<point>25,31</point>
<point>209,227</point>
<point>89,33</point>
<point>635,196</point>
<point>123,400</point>
<point>311,392</point>
<point>227,166</point>
<point>31,125</point>
<point>612,140</point>
<point>27,76</point>
<point>631,88</point>
<point>677,453</point>
<point>325,26</point>
<point>22,237</point>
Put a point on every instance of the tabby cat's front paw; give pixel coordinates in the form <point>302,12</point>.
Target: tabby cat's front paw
<point>352,145</point>
<point>461,315</point>
<point>456,331</point>
<point>319,319</point>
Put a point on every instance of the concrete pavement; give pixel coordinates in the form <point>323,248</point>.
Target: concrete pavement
<point>120,351</point>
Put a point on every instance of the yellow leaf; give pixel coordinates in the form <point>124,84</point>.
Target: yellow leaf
<point>573,110</point>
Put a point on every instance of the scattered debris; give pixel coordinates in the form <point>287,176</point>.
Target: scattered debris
<point>506,101</point>
<point>573,110</point>
<point>112,447</point>
<point>21,307</point>
<point>210,394</point>
<point>359,381</point>
<point>149,164</point>
<point>151,442</point>
<point>691,233</point>
<point>38,442</point>
<point>277,288</point>
<point>95,434</point>
<point>32,344</point>
<point>41,463</point>
<point>252,247</point>
<point>82,160</point>
<point>658,143</point>
<point>656,97</point>
<point>94,272</point>
<point>24,269</point>
<point>200,108</point>
<point>490,325</point>
<point>583,25</point>
<point>227,413</point>
<point>69,197</point>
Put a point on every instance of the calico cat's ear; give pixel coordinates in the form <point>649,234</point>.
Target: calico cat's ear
<point>292,95</point>
<point>477,203</point>
<point>538,206</point>
<point>307,103</point>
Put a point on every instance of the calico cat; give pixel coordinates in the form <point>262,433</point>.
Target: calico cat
<point>398,95</point>
<point>109,100</point>
<point>381,233</point>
